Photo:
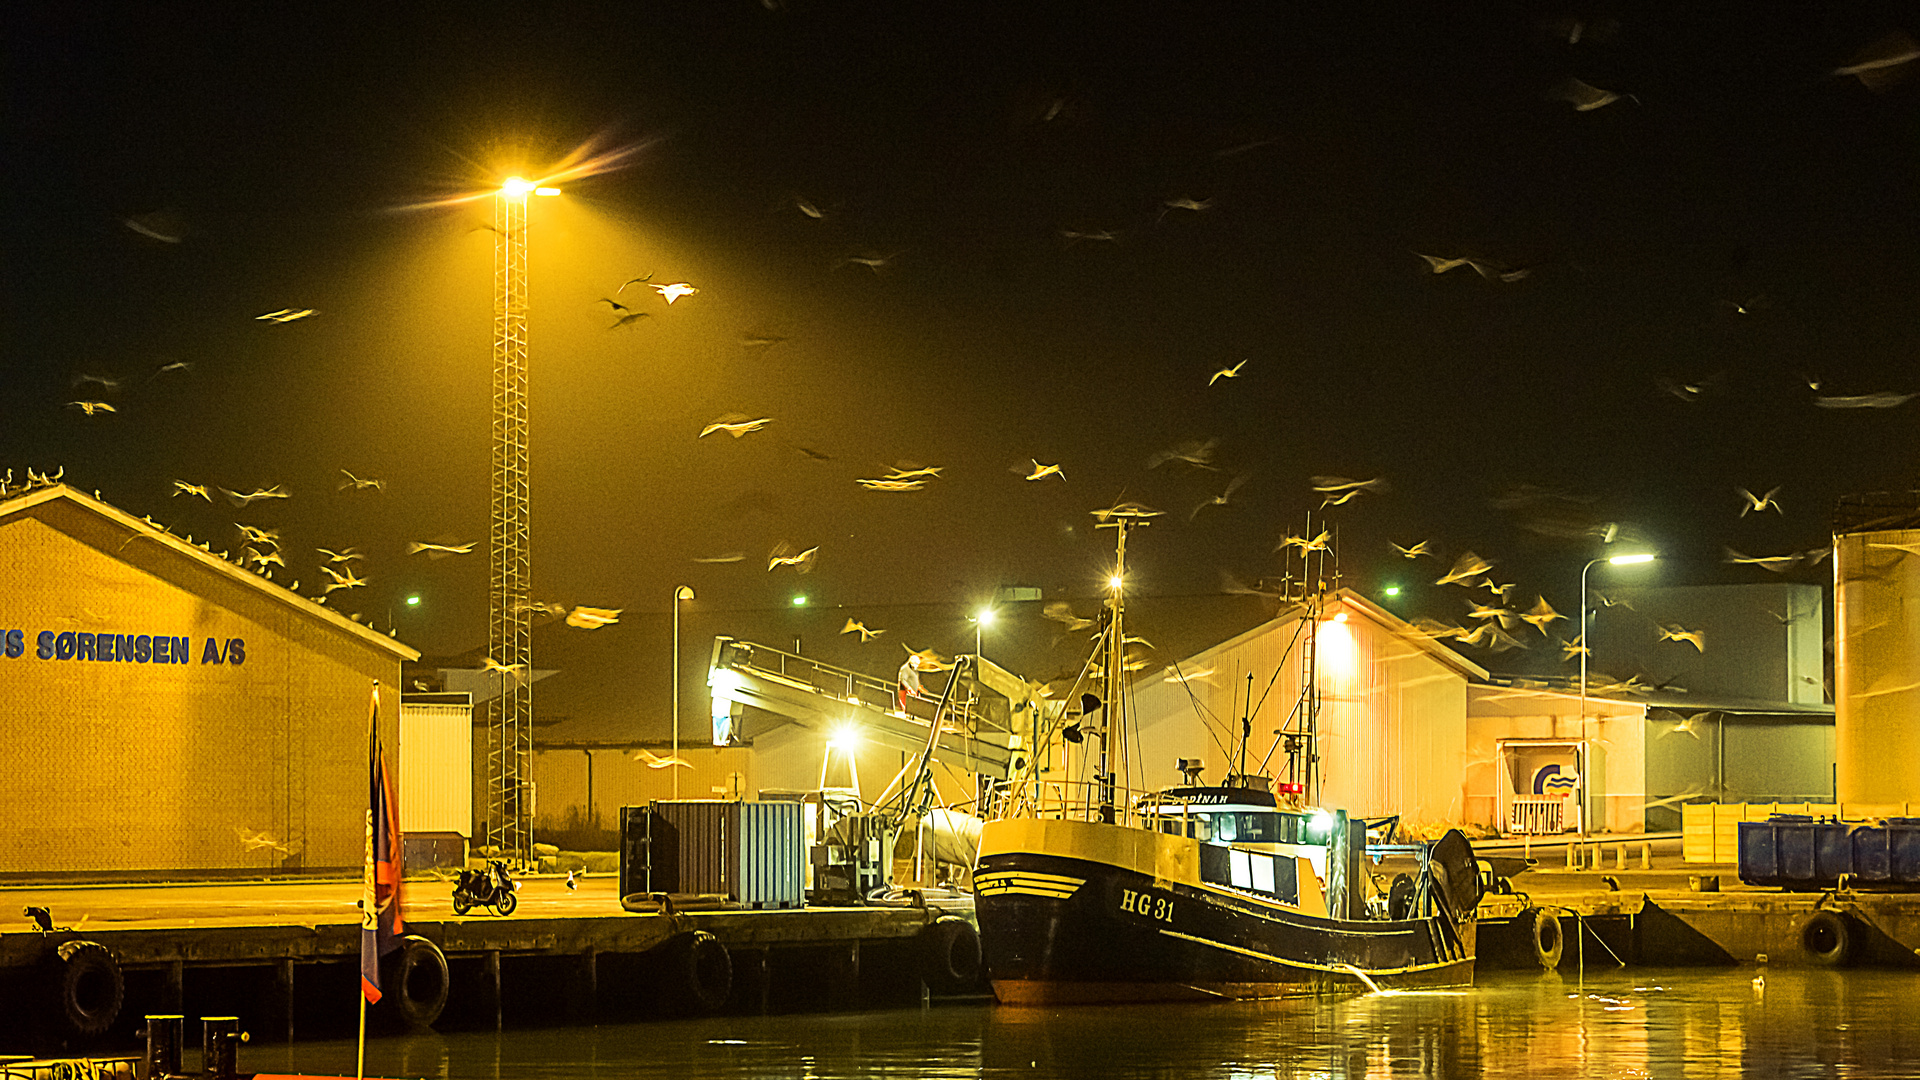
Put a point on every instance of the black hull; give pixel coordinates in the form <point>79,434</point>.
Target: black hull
<point>1057,929</point>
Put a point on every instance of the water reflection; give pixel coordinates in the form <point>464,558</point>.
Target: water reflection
<point>1690,1023</point>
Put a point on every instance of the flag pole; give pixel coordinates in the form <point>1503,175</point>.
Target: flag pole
<point>367,914</point>
<point>360,1065</point>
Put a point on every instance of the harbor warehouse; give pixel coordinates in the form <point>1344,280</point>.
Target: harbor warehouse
<point>165,711</point>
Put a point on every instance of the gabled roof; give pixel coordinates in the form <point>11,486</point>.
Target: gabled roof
<point>1367,609</point>
<point>32,503</point>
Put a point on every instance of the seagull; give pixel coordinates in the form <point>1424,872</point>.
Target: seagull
<point>103,381</point>
<point>1125,511</point>
<point>488,663</point>
<point>341,580</point>
<point>358,484</point>
<point>866,635</point>
<point>1683,727</point>
<point>1499,591</point>
<point>640,754</point>
<point>1882,400</point>
<point>875,484</point>
<point>286,315</point>
<point>760,341</point>
<point>905,471</point>
<point>252,841</point>
<point>1220,499</point>
<point>92,407</point>
<point>1759,502</point>
<point>1339,500</point>
<point>1910,549</point>
<point>162,225</point>
<point>1324,484</point>
<point>264,558</point>
<point>735,424</point>
<point>1422,548</point>
<point>1062,612</point>
<point>1492,272</point>
<point>1318,543</point>
<point>344,555</point>
<point>672,290</point>
<point>177,365</point>
<point>807,207</point>
<point>1541,614</point>
<point>875,263</point>
<point>181,487</point>
<point>783,554</point>
<point>1041,472</point>
<point>612,304</point>
<point>726,557</point>
<point>1584,97</point>
<point>1227,373</point>
<point>440,551</point>
<point>629,319</point>
<point>1184,203</point>
<point>593,618</point>
<point>1440,265</point>
<point>253,535</point>
<point>1676,632</point>
<point>1877,65</point>
<point>256,495</point>
<point>1174,674</point>
<point>572,884</point>
<point>1467,567</point>
<point>1103,235</point>
<point>1482,611</point>
<point>1571,649</point>
<point>1774,563</point>
<point>543,608</point>
<point>1192,452</point>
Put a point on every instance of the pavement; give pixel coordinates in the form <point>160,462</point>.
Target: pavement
<point>297,903</point>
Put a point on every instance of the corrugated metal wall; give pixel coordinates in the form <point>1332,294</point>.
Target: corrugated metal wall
<point>436,754</point>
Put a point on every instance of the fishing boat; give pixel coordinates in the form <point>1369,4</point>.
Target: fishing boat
<point>1086,892</point>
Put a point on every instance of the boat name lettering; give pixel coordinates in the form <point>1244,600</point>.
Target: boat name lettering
<point>1146,904</point>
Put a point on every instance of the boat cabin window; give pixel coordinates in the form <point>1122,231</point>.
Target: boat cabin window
<point>1238,827</point>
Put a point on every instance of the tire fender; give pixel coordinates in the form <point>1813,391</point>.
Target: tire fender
<point>1548,942</point>
<point>699,974</point>
<point>949,954</point>
<point>417,981</point>
<point>87,988</point>
<point>1828,939</point>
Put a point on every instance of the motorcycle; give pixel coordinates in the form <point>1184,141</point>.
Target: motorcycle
<point>493,887</point>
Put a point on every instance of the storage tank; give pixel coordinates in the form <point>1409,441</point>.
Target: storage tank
<point>1876,598</point>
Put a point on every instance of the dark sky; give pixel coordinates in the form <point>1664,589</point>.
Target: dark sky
<point>1744,224</point>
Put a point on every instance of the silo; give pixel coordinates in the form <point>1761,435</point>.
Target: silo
<point>1876,574</point>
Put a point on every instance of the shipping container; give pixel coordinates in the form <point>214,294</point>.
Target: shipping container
<point>753,853</point>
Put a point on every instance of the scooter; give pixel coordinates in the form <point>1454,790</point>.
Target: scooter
<point>493,887</point>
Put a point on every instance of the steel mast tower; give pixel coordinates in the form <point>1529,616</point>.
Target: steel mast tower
<point>509,822</point>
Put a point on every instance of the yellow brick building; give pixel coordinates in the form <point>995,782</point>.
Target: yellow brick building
<point>165,712</point>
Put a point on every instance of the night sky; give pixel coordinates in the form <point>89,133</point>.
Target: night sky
<point>1699,255</point>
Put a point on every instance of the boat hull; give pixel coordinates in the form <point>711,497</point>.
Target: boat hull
<point>1058,929</point>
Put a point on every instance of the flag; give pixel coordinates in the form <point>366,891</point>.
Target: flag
<point>380,922</point>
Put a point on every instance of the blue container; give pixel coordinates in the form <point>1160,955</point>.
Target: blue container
<point>1794,851</point>
<point>1888,855</point>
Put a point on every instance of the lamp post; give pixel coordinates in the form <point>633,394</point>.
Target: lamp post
<point>983,617</point>
<point>681,592</point>
<point>1585,648</point>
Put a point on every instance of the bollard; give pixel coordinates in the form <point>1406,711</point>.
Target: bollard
<point>1573,857</point>
<point>1620,857</point>
<point>220,1047</point>
<point>1646,856</point>
<point>164,1035</point>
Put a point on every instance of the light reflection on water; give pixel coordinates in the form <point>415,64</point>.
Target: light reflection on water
<point>1639,1023</point>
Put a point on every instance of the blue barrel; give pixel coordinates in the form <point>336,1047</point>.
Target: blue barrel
<point>1795,851</point>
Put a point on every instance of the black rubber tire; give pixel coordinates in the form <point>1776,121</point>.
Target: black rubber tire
<point>699,975</point>
<point>1827,939</point>
<point>1549,944</point>
<point>507,902</point>
<point>416,982</point>
<point>87,988</point>
<point>460,905</point>
<point>1400,898</point>
<point>949,955</point>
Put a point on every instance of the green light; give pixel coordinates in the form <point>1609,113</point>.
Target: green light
<point>414,600</point>
<point>800,601</point>
<point>1392,590</point>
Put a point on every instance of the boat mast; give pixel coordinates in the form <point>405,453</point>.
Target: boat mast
<point>1112,729</point>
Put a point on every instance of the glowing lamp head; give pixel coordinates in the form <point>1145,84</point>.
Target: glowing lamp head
<point>800,601</point>
<point>1319,825</point>
<point>1114,583</point>
<point>985,616</point>
<point>414,600</point>
<point>516,186</point>
<point>1630,560</point>
<point>1391,590</point>
<point>845,739</point>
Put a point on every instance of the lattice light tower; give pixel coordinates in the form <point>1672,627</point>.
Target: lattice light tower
<point>509,821</point>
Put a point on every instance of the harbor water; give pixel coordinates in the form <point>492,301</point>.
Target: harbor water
<point>1748,1021</point>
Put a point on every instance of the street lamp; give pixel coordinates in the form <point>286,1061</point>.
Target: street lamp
<point>681,592</point>
<point>1586,647</point>
<point>983,617</point>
